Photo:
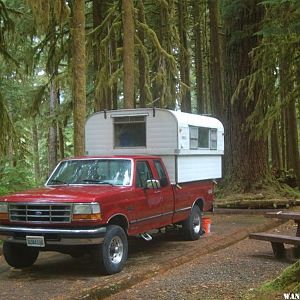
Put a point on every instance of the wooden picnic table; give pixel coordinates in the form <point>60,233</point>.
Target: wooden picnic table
<point>278,241</point>
<point>287,215</point>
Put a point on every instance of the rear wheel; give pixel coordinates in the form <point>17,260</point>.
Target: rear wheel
<point>18,255</point>
<point>112,253</point>
<point>192,225</point>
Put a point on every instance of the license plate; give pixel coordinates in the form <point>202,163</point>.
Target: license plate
<point>35,241</point>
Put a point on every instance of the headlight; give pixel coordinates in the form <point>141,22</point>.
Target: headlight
<point>3,211</point>
<point>86,211</point>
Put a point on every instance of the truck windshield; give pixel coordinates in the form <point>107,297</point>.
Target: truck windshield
<point>92,171</point>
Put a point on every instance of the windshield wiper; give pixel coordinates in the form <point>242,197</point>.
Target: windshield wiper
<point>97,181</point>
<point>91,180</point>
<point>58,181</point>
<point>106,182</point>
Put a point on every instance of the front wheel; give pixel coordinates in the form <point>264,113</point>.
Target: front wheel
<point>192,225</point>
<point>111,255</point>
<point>19,256</point>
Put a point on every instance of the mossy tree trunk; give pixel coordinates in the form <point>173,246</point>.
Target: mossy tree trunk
<point>291,151</point>
<point>184,58</point>
<point>198,58</point>
<point>128,52</point>
<point>245,154</point>
<point>275,148</point>
<point>78,74</point>
<point>142,63</point>
<point>36,151</point>
<point>61,138</point>
<point>215,61</point>
<point>98,9</point>
<point>52,140</point>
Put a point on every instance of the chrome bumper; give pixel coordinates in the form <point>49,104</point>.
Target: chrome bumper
<point>90,236</point>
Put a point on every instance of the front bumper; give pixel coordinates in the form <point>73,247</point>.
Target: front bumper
<point>53,236</point>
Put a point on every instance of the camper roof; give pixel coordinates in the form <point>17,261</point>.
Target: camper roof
<point>186,119</point>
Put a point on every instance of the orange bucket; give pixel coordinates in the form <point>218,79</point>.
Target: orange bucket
<point>206,222</point>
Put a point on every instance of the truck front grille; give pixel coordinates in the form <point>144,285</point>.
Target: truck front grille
<point>40,213</point>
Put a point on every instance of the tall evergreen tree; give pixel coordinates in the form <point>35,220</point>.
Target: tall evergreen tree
<point>128,52</point>
<point>215,60</point>
<point>245,154</point>
<point>78,74</point>
<point>184,58</point>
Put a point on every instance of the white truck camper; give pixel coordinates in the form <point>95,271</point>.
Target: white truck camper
<point>190,145</point>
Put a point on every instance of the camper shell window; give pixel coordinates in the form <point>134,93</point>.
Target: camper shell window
<point>129,131</point>
<point>203,138</point>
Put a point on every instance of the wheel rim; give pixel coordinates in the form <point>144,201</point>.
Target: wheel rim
<point>196,223</point>
<point>116,250</point>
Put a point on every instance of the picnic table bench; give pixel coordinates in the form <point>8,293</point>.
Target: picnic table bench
<point>277,240</point>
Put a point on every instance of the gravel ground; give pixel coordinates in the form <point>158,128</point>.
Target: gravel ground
<point>225,274</point>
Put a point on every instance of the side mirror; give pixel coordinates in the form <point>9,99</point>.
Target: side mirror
<point>152,184</point>
<point>164,181</point>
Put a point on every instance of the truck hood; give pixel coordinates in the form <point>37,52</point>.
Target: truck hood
<point>72,193</point>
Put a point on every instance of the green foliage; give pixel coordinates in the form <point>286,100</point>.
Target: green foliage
<point>14,178</point>
<point>278,52</point>
<point>288,281</point>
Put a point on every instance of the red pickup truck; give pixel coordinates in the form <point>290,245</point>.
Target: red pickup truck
<point>92,204</point>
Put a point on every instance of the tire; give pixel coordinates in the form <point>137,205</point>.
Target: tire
<point>19,256</point>
<point>192,225</point>
<point>112,253</point>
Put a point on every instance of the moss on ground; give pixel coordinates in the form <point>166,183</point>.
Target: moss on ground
<point>287,282</point>
<point>268,194</point>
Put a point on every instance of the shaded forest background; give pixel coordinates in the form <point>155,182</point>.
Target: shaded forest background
<point>237,60</point>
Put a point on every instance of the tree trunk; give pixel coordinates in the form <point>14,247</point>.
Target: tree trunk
<point>184,62</point>
<point>114,93</point>
<point>36,154</point>
<point>78,73</point>
<point>142,63</point>
<point>290,117</point>
<point>275,149</point>
<point>60,125</point>
<point>198,58</point>
<point>128,52</point>
<point>97,19</point>
<point>52,141</point>
<point>245,156</point>
<point>292,141</point>
<point>282,140</point>
<point>215,60</point>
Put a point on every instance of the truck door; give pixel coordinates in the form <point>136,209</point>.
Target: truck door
<point>167,203</point>
<point>146,207</point>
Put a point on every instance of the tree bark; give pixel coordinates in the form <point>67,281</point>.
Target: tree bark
<point>36,154</point>
<point>78,73</point>
<point>293,161</point>
<point>275,149</point>
<point>282,139</point>
<point>97,19</point>
<point>61,140</point>
<point>142,63</point>
<point>215,60</point>
<point>245,155</point>
<point>114,93</point>
<point>198,58</point>
<point>184,62</point>
<point>128,52</point>
<point>52,141</point>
